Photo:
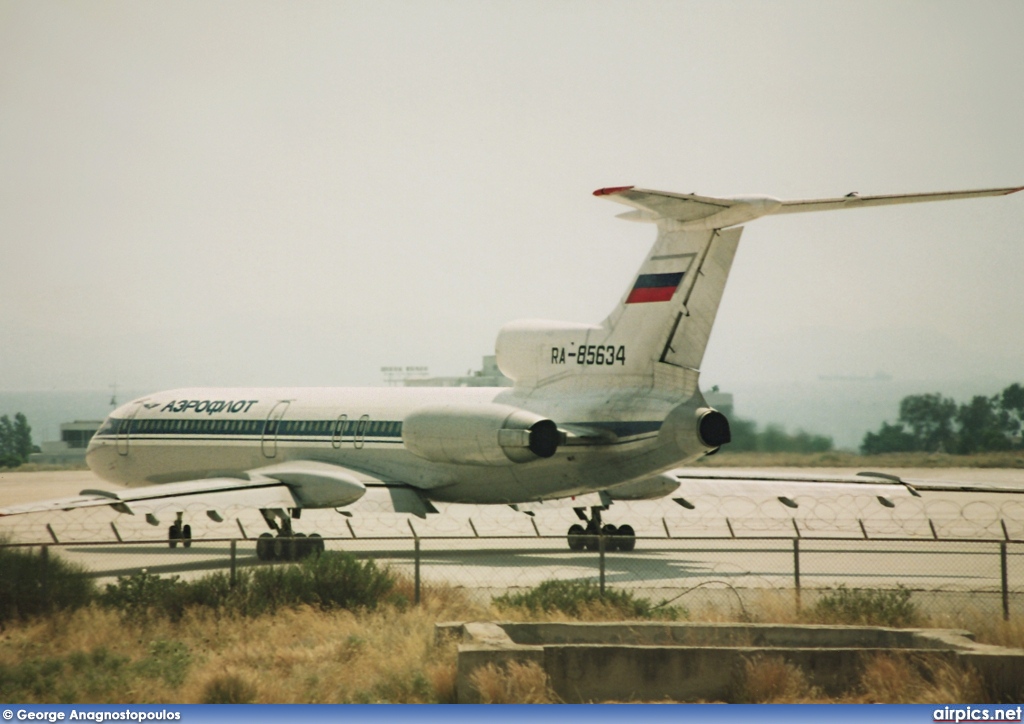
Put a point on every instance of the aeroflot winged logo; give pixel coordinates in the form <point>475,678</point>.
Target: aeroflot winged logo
<point>654,287</point>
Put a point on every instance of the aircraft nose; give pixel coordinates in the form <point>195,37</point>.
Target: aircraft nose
<point>91,453</point>
<point>97,453</point>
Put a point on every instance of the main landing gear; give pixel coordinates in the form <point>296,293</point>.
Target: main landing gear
<point>616,538</point>
<point>286,545</point>
<point>178,532</point>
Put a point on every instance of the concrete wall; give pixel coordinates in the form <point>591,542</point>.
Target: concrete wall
<point>693,662</point>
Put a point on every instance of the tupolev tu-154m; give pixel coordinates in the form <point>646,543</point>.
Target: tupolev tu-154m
<point>596,410</point>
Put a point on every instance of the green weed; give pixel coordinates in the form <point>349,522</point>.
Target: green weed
<point>79,676</point>
<point>33,583</point>
<point>867,607</point>
<point>579,597</point>
<point>167,660</point>
<point>332,580</point>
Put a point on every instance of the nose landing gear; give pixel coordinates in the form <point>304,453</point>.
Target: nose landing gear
<point>178,532</point>
<point>616,538</point>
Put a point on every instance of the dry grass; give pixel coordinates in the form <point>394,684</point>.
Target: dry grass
<point>909,680</point>
<point>771,679</point>
<point>840,459</point>
<point>514,683</point>
<point>889,679</point>
<point>230,687</point>
<point>304,655</point>
<point>987,628</point>
<point>94,655</point>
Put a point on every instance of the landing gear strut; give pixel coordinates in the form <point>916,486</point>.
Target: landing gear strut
<point>286,545</point>
<point>176,531</point>
<point>617,538</point>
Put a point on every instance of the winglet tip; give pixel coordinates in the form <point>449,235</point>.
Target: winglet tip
<point>609,190</point>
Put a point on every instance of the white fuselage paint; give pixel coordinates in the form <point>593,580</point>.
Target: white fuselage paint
<point>206,438</point>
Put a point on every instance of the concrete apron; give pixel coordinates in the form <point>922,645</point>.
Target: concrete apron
<point>641,661</point>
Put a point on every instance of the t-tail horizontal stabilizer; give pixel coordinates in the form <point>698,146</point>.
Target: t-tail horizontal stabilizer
<point>693,212</point>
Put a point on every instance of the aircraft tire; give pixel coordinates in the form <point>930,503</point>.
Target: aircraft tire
<point>611,540</point>
<point>186,537</point>
<point>316,543</point>
<point>576,537</point>
<point>172,536</point>
<point>265,547</point>
<point>626,538</point>
<point>300,547</point>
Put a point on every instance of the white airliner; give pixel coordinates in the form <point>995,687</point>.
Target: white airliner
<point>603,409</point>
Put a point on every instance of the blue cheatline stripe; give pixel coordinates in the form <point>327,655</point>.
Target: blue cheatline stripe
<point>650,281</point>
<point>310,429</point>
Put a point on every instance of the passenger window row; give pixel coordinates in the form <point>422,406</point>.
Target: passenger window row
<point>312,428</point>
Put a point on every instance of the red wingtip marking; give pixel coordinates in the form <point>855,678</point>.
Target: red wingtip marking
<point>611,190</point>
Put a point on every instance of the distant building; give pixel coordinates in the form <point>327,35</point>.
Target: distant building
<point>488,376</point>
<point>70,449</point>
<point>721,401</point>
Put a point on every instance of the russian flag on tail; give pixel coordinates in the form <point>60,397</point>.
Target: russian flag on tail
<point>654,287</point>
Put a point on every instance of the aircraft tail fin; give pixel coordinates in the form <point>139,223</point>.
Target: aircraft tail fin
<point>666,315</point>
<point>657,334</point>
<point>658,330</point>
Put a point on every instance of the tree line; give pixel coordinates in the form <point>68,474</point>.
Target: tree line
<point>933,423</point>
<point>15,441</point>
<point>746,437</point>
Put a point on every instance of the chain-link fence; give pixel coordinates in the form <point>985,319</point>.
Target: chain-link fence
<point>725,575</point>
<point>722,553</point>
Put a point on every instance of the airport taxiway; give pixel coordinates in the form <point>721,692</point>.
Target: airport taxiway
<point>738,536</point>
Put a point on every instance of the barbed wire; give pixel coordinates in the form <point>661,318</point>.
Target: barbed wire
<point>945,516</point>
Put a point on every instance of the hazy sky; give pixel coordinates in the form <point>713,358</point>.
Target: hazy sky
<point>266,193</point>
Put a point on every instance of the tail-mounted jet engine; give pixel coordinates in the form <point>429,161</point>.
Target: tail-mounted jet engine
<point>713,428</point>
<point>486,434</point>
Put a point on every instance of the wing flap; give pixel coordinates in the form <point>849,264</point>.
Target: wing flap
<point>393,498</point>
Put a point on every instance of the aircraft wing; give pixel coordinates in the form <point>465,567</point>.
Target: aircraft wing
<point>736,480</point>
<point>297,484</point>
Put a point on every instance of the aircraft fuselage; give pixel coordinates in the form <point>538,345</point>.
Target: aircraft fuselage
<point>200,433</point>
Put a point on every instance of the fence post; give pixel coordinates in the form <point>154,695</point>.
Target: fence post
<point>1005,580</point>
<point>44,565</point>
<point>234,574</point>
<point>796,570</point>
<point>416,577</point>
<point>600,548</point>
